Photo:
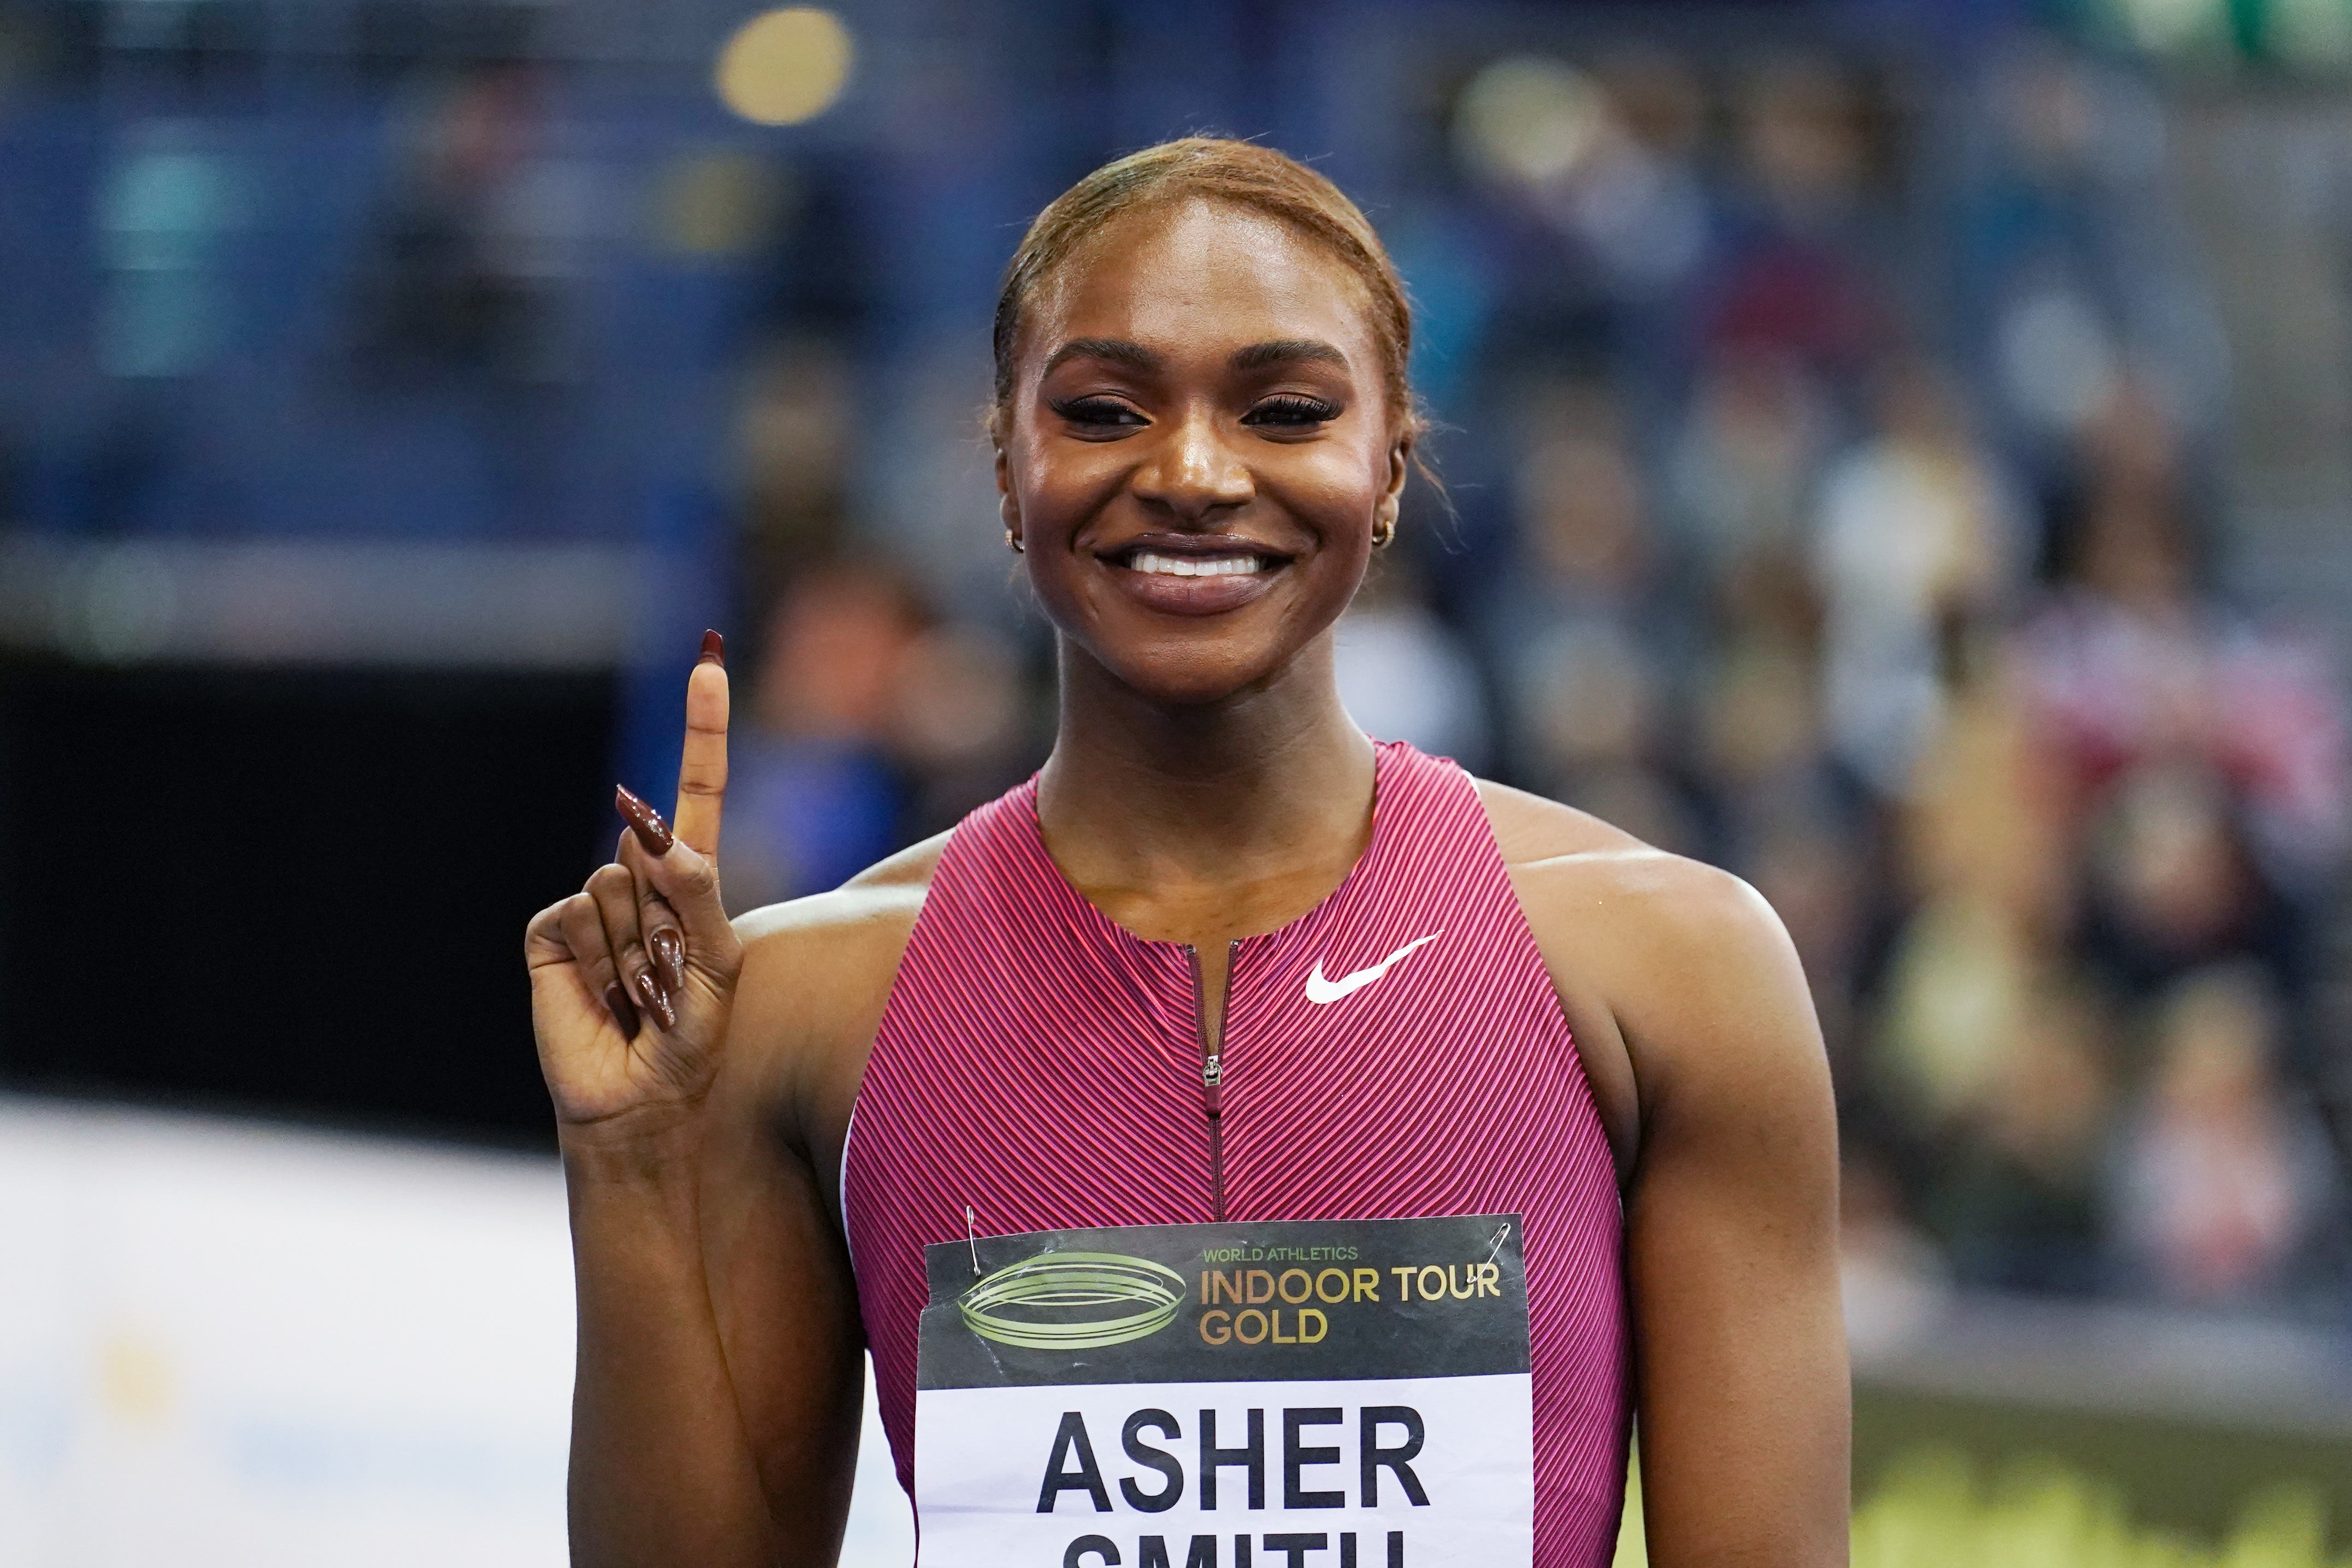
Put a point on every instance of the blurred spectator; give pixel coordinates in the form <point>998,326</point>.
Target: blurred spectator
<point>476,258</point>
<point>1757,742</point>
<point>1892,1277</point>
<point>792,448</point>
<point>1584,637</point>
<point>1917,537</point>
<point>2224,1178</point>
<point>1792,283</point>
<point>969,724</point>
<point>2018,1202</point>
<point>1402,673</point>
<point>2170,884</point>
<point>870,724</point>
<point>1744,463</point>
<point>2131,665</point>
<point>2071,275</point>
<point>816,796</point>
<point>472,322</point>
<point>1813,868</point>
<point>1606,165</point>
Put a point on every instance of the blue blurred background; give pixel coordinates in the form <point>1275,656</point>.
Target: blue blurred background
<point>1895,449</point>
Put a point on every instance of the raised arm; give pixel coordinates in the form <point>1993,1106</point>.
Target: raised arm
<point>696,1227</point>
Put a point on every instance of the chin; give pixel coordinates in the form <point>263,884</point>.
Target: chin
<point>1181,677</point>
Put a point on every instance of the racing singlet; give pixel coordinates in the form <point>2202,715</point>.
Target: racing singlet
<point>1398,1053</point>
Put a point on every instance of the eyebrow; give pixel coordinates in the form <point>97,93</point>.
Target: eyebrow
<point>1286,350</point>
<point>1257,356</point>
<point>1118,351</point>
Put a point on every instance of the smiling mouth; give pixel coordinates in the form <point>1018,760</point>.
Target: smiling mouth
<point>1155,562</point>
<point>1167,554</point>
<point>1172,574</point>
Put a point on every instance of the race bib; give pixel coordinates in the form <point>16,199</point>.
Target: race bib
<point>1317,1394</point>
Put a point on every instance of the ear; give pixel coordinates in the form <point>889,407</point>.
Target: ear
<point>1392,493</point>
<point>1008,505</point>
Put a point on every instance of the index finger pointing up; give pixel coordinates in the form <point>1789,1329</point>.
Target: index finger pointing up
<point>702,768</point>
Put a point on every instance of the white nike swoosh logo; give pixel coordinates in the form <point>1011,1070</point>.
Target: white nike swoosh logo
<point>1321,990</point>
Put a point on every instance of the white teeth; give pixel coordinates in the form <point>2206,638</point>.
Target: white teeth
<point>1197,567</point>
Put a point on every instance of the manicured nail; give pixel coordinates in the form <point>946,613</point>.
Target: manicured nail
<point>714,650</point>
<point>669,959</point>
<point>617,1002</point>
<point>651,830</point>
<point>650,995</point>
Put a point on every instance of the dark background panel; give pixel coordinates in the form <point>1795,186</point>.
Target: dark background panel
<point>298,892</point>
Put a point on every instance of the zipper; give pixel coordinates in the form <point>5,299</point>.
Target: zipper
<point>1212,1070</point>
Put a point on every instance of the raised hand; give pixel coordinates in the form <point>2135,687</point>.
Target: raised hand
<point>631,978</point>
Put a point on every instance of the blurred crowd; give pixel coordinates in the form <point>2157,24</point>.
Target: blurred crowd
<point>1830,494</point>
<point>1834,491</point>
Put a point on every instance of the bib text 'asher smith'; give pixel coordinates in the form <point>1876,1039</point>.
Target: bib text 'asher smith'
<point>1328,1394</point>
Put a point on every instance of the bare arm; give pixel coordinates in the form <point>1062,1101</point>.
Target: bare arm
<point>1732,1248</point>
<point>663,1467</point>
<point>1693,1013</point>
<point>716,1402</point>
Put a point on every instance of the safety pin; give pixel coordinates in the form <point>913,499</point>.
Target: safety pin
<point>971,1236</point>
<point>1499,1236</point>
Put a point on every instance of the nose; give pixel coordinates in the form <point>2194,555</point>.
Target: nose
<point>1192,471</point>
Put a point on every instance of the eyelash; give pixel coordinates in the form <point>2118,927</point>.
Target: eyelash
<point>1286,412</point>
<point>1291,411</point>
<point>1283,412</point>
<point>1096,410</point>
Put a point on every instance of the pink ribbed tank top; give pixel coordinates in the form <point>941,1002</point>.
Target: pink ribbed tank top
<point>1041,1065</point>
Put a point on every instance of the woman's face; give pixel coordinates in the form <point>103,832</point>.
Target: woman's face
<point>1199,447</point>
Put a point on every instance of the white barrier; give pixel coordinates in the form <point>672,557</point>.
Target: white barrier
<point>238,1344</point>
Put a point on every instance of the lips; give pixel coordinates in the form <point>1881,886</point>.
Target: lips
<point>1194,576</point>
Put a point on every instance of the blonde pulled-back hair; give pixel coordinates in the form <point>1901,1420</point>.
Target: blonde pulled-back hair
<point>1210,168</point>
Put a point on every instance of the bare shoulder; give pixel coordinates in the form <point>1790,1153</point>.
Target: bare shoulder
<point>885,895</point>
<point>1600,883</point>
<point>1671,970</point>
<point>817,972</point>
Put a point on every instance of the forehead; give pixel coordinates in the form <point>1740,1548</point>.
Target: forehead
<point>1206,277</point>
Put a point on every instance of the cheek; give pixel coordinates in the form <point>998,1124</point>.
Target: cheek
<point>1339,486</point>
<point>1057,495</point>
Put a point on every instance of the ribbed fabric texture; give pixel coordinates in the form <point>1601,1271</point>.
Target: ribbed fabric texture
<point>1041,1065</point>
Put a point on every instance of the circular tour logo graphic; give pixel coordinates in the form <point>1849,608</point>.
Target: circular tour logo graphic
<point>1073,1301</point>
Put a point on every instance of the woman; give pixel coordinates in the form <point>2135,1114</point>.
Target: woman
<point>1446,998</point>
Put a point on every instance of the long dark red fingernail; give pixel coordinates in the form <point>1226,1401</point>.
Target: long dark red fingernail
<point>651,830</point>
<point>650,995</point>
<point>617,1002</point>
<point>714,650</point>
<point>669,959</point>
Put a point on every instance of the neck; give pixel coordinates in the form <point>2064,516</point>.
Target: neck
<point>1272,784</point>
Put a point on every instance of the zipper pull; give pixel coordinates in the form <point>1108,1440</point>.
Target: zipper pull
<point>1213,1078</point>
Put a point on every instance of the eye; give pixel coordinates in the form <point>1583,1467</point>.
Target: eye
<point>1097,413</point>
<point>1291,411</point>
